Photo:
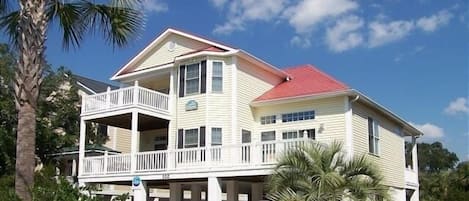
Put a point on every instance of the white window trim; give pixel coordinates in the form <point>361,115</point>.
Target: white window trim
<point>211,135</point>
<point>184,138</point>
<point>212,76</point>
<point>270,115</point>
<point>200,78</point>
<point>375,137</point>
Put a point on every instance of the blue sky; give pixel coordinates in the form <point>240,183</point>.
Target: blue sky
<point>410,56</point>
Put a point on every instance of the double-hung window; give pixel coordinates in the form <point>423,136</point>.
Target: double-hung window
<point>373,136</point>
<point>192,78</point>
<point>271,119</point>
<point>217,76</point>
<point>216,137</point>
<point>191,138</point>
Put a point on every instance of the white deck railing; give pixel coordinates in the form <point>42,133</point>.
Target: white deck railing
<point>125,97</point>
<point>241,155</point>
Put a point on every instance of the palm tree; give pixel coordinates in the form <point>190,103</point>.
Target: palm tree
<point>323,173</point>
<point>27,24</point>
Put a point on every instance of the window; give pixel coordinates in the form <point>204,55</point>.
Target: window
<point>268,136</point>
<point>217,76</point>
<point>161,143</point>
<point>309,133</point>
<point>298,116</point>
<point>373,136</point>
<point>245,136</point>
<point>268,119</point>
<point>289,135</point>
<point>191,138</point>
<point>216,136</point>
<point>192,78</point>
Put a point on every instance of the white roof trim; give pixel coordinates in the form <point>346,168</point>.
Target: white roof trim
<point>85,87</point>
<point>267,66</point>
<point>158,40</point>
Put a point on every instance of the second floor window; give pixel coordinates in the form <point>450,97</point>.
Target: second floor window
<point>216,137</point>
<point>271,119</point>
<point>191,138</point>
<point>298,116</point>
<point>217,76</point>
<point>192,78</point>
<point>373,136</point>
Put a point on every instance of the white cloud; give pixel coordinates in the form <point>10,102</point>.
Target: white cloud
<point>345,35</point>
<point>242,11</point>
<point>299,41</point>
<point>460,105</point>
<point>431,132</point>
<point>433,22</point>
<point>381,33</point>
<point>218,3</point>
<point>308,13</point>
<point>154,6</point>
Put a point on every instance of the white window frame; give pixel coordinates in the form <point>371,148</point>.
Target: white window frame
<point>297,116</point>
<point>269,131</point>
<point>374,138</point>
<point>199,78</point>
<point>268,119</point>
<point>218,76</point>
<point>211,136</point>
<point>184,145</point>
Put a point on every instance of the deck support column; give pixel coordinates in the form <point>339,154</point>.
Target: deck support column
<point>81,152</point>
<point>214,189</point>
<point>140,192</point>
<point>196,190</point>
<point>232,190</point>
<point>134,142</point>
<point>175,192</point>
<point>257,191</point>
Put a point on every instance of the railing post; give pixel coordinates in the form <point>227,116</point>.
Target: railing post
<point>105,161</point>
<point>135,97</point>
<point>256,153</point>
<point>108,97</point>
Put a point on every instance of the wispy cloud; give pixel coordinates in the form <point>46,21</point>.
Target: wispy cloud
<point>458,106</point>
<point>381,33</point>
<point>345,34</point>
<point>410,53</point>
<point>300,41</point>
<point>431,131</point>
<point>154,6</point>
<point>433,22</point>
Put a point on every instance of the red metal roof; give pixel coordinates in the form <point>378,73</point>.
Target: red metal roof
<point>305,80</point>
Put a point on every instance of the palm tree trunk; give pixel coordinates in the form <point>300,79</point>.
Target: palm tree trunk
<point>32,28</point>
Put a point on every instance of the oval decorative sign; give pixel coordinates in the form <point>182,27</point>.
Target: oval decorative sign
<point>191,105</point>
<point>136,181</point>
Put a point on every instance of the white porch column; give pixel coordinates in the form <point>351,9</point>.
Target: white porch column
<point>172,126</point>
<point>257,191</point>
<point>175,192</point>
<point>81,154</point>
<point>134,141</point>
<point>232,190</point>
<point>415,164</point>
<point>140,192</point>
<point>195,192</point>
<point>214,189</point>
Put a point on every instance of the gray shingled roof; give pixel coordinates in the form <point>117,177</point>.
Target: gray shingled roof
<point>96,86</point>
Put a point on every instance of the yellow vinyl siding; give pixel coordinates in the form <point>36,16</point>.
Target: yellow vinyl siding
<point>252,83</point>
<point>329,114</point>
<point>123,140</point>
<point>147,138</point>
<point>161,55</point>
<point>391,158</point>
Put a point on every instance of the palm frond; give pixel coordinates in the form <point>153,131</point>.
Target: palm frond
<point>9,23</point>
<point>69,17</point>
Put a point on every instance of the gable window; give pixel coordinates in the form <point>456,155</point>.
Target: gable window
<point>192,78</point>
<point>271,119</point>
<point>373,136</point>
<point>217,76</point>
<point>298,116</point>
<point>216,137</point>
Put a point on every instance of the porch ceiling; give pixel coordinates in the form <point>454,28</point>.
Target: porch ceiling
<point>145,122</point>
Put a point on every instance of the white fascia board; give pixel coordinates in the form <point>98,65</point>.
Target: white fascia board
<point>200,39</point>
<point>85,87</point>
<point>269,67</point>
<point>134,75</point>
<point>300,98</point>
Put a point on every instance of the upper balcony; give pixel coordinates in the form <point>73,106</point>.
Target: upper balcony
<point>118,101</point>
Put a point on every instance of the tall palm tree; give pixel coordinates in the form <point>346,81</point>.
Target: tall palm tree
<point>27,23</point>
<point>323,173</point>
